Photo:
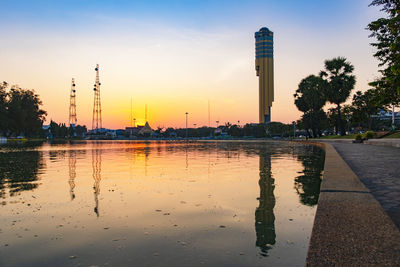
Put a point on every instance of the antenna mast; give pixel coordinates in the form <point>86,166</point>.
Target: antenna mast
<point>96,122</point>
<point>209,125</point>
<point>145,113</point>
<point>72,105</point>
<point>131,113</point>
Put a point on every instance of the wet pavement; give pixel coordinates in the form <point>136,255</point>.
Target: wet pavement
<point>378,167</point>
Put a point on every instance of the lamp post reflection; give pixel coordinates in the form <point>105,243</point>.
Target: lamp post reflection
<point>264,215</point>
<point>72,173</point>
<point>96,166</point>
<point>186,153</point>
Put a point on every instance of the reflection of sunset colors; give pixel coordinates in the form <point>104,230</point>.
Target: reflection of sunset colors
<point>165,197</point>
<point>174,57</point>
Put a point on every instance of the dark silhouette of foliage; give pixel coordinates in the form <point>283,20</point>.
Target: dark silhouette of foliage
<point>386,31</point>
<point>364,105</point>
<point>19,171</point>
<point>308,183</point>
<point>314,120</point>
<point>339,82</point>
<point>3,108</point>
<point>310,98</point>
<point>20,111</point>
<point>309,95</point>
<point>62,131</point>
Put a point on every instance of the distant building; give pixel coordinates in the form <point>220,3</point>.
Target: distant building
<point>384,115</point>
<point>265,71</point>
<point>146,130</point>
<point>133,131</point>
<point>98,131</point>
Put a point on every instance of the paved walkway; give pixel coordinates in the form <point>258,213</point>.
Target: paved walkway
<point>378,167</point>
<point>350,228</point>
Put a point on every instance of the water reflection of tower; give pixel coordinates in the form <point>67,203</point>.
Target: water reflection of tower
<point>96,165</point>
<point>72,173</point>
<point>146,158</point>
<point>265,218</point>
<point>186,153</point>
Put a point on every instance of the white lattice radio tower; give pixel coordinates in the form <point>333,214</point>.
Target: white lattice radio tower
<point>72,105</point>
<point>96,122</point>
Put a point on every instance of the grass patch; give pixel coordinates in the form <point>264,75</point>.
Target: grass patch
<point>349,136</point>
<point>17,139</point>
<point>394,135</point>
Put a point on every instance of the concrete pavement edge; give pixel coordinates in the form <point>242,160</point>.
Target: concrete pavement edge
<point>350,226</point>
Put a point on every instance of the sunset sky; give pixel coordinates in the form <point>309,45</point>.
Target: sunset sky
<point>175,56</point>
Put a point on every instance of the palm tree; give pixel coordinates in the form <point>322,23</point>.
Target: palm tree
<point>339,83</point>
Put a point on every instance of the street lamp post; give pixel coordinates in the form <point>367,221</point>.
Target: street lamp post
<point>187,125</point>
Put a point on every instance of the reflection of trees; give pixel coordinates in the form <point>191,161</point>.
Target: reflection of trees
<point>308,183</point>
<point>96,166</point>
<point>265,218</point>
<point>72,172</point>
<point>19,171</point>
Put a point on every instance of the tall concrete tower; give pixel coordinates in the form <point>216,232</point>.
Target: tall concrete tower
<point>265,71</point>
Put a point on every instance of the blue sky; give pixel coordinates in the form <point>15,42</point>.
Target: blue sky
<point>193,14</point>
<point>177,55</point>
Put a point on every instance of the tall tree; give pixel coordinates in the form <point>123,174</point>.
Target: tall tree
<point>339,82</point>
<point>386,32</point>
<point>24,111</point>
<point>310,98</point>
<point>3,108</point>
<point>365,105</point>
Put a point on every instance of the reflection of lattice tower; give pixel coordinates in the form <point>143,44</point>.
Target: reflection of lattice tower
<point>96,122</point>
<point>96,165</point>
<point>72,105</point>
<point>72,173</point>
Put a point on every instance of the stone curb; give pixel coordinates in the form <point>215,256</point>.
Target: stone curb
<point>395,142</point>
<point>350,226</point>
<point>389,142</point>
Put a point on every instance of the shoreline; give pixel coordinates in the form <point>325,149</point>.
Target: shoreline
<point>350,226</point>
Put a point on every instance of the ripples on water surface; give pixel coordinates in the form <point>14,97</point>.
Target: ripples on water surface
<point>158,203</point>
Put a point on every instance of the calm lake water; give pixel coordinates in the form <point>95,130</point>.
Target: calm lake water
<point>121,203</point>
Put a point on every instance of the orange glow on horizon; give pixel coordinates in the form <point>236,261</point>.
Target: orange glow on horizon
<point>175,69</point>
